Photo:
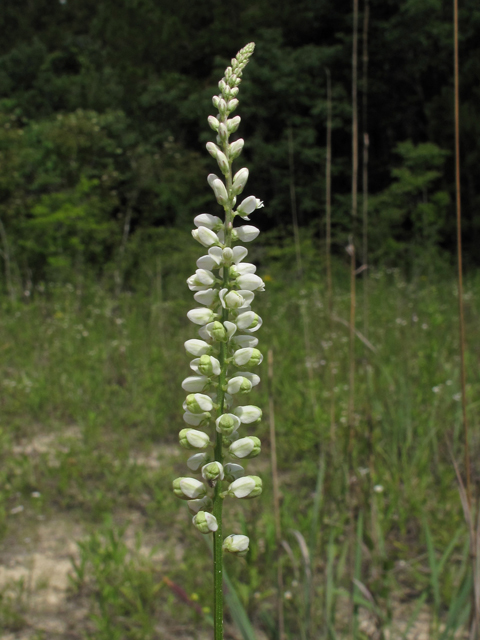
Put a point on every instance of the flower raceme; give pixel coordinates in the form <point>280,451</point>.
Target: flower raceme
<point>224,288</point>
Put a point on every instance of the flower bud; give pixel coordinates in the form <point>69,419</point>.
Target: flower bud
<point>205,236</point>
<point>197,347</point>
<point>231,299</point>
<point>216,100</point>
<point>248,447</point>
<point>218,188</point>
<point>254,379</point>
<point>188,488</point>
<point>206,365</point>
<point>227,256</point>
<point>198,403</point>
<point>248,321</point>
<point>248,206</point>
<point>212,471</point>
<point>248,414</point>
<point>235,149</point>
<point>245,342</point>
<point>212,149</point>
<point>193,439</point>
<point>205,522</point>
<point>201,316</point>
<point>232,105</point>
<point>249,357</point>
<point>201,504</point>
<point>198,460</point>
<point>233,124</point>
<point>239,181</point>
<point>233,471</point>
<point>195,384</point>
<point>227,423</point>
<point>197,419</point>
<point>236,544</point>
<point>213,122</point>
<point>245,233</point>
<point>206,297</point>
<point>217,331</point>
<point>227,440</point>
<point>206,220</point>
<point>250,282</point>
<point>246,487</point>
<point>239,384</point>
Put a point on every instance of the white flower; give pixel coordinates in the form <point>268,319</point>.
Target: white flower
<point>245,341</point>
<point>246,487</point>
<point>213,471</point>
<point>197,347</point>
<point>248,413</point>
<point>206,297</point>
<point>218,188</point>
<point>246,233</point>
<point>213,260</point>
<point>202,504</point>
<point>206,220</point>
<point>205,522</point>
<point>201,316</point>
<point>221,332</point>
<point>235,149</point>
<point>195,384</point>
<point>231,299</point>
<point>188,488</point>
<point>233,471</point>
<point>252,377</point>
<point>248,206</point>
<point>239,384</point>
<point>251,282</point>
<point>239,253</point>
<point>196,419</point>
<point>205,236</point>
<point>236,544</point>
<point>227,423</point>
<point>198,403</point>
<point>206,365</point>
<point>242,269</point>
<point>233,124</point>
<point>249,321</point>
<point>239,181</point>
<point>193,439</point>
<point>197,460</point>
<point>248,447</point>
<point>201,280</point>
<point>248,356</point>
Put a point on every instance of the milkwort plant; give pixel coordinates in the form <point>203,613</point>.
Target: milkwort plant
<point>224,285</point>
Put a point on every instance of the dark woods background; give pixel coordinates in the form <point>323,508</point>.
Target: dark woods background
<point>103,108</point>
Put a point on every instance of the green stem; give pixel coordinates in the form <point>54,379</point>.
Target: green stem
<point>217,499</point>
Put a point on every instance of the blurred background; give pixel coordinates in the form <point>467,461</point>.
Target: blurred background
<point>103,126</point>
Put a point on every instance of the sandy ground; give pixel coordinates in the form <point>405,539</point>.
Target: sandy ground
<point>38,553</point>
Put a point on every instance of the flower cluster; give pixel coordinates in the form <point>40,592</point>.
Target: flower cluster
<point>224,287</point>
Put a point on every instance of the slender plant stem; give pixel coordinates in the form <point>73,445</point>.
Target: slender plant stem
<point>351,400</point>
<point>366,142</point>
<point>276,497</point>
<point>328,207</point>
<point>459,254</point>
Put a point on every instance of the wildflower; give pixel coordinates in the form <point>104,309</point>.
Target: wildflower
<point>193,439</point>
<point>245,447</point>
<point>205,522</point>
<point>246,487</point>
<point>236,544</point>
<point>188,488</point>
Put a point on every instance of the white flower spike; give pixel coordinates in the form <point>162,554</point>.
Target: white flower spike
<point>224,289</point>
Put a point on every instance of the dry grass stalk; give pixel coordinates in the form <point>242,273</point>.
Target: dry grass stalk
<point>366,142</point>
<point>276,495</point>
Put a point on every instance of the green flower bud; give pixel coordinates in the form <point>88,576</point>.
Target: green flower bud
<point>227,423</point>
<point>213,471</point>
<point>188,488</point>
<point>193,439</point>
<point>236,544</point>
<point>248,447</point>
<point>198,403</point>
<point>205,522</point>
<point>208,366</point>
<point>217,331</point>
<point>247,356</point>
<point>246,487</point>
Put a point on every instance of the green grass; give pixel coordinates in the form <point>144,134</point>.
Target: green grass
<point>101,377</point>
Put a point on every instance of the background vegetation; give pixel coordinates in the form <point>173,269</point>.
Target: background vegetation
<point>103,109</point>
